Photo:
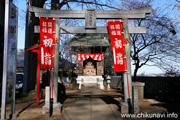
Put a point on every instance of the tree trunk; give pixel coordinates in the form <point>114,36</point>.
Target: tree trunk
<point>54,4</point>
<point>136,69</point>
<point>135,74</point>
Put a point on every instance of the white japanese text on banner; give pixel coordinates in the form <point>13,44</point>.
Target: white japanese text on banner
<point>46,42</point>
<point>115,31</point>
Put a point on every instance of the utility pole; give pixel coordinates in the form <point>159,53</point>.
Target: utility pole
<point>5,61</point>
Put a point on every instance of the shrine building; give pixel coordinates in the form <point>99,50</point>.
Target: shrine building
<point>89,58</point>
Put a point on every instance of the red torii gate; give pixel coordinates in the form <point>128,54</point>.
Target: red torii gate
<point>37,50</point>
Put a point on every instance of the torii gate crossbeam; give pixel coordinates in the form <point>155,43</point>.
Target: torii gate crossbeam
<point>81,14</point>
<point>99,30</point>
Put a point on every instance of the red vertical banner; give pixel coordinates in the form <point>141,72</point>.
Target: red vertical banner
<point>115,31</point>
<point>46,42</point>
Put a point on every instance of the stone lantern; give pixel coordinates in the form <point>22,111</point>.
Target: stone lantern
<point>108,82</point>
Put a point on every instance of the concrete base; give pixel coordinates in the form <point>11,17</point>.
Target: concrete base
<point>85,80</point>
<point>57,107</point>
<point>124,108</point>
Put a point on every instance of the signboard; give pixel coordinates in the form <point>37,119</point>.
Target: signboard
<point>115,31</point>
<point>90,18</point>
<point>46,42</point>
<point>95,56</point>
<point>12,53</point>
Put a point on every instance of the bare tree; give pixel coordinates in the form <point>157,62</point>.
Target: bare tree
<point>108,62</point>
<point>65,52</point>
<point>170,9</point>
<point>158,44</point>
<point>68,4</point>
<point>145,47</point>
<point>170,49</point>
<point>154,45</point>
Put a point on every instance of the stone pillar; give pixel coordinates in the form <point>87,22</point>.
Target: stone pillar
<point>124,108</point>
<point>45,108</point>
<point>135,99</point>
<point>101,82</point>
<point>56,62</point>
<point>140,86</point>
<point>127,84</point>
<point>138,94</point>
<point>108,82</point>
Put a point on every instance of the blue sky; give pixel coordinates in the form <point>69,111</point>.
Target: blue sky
<point>21,23</point>
<point>21,31</point>
<point>22,7</point>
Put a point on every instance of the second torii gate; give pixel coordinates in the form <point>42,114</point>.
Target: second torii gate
<point>90,16</point>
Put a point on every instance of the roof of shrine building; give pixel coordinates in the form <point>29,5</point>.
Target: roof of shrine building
<point>90,40</point>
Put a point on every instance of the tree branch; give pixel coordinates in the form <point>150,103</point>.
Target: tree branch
<point>146,60</point>
<point>175,5</point>
<point>94,3</point>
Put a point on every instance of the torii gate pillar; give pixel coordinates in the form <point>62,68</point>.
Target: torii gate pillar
<point>127,75</point>
<point>56,105</point>
<point>56,62</point>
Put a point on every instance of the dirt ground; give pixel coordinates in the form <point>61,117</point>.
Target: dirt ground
<point>26,108</point>
<point>147,105</point>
